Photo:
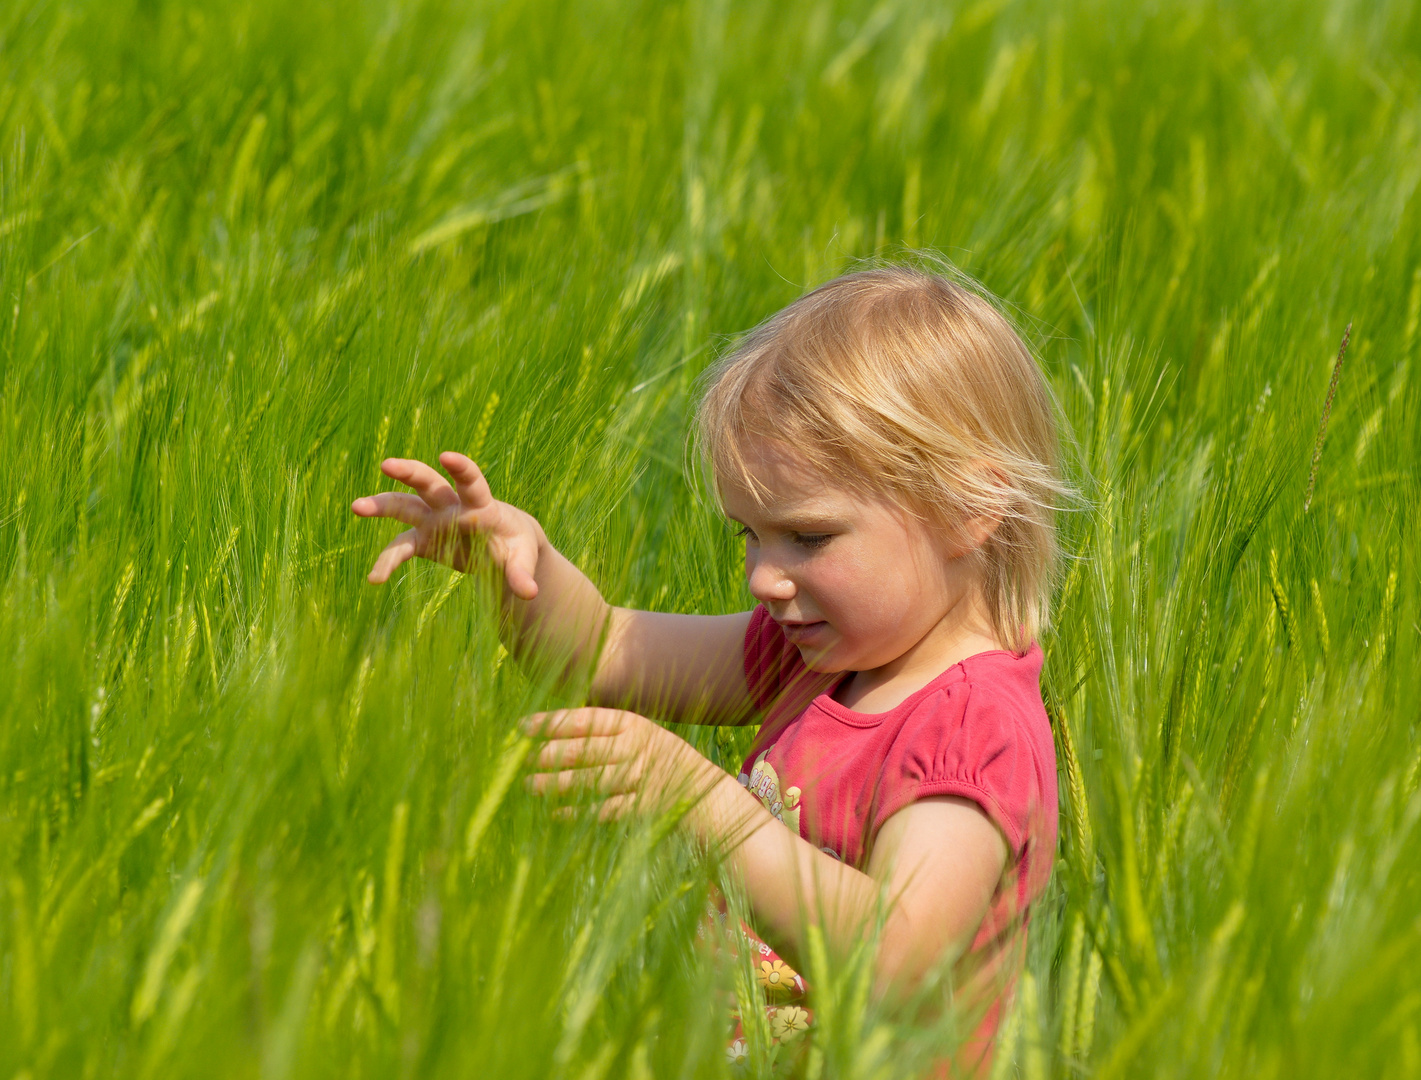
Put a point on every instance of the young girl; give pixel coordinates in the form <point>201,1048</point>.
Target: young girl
<point>886,447</point>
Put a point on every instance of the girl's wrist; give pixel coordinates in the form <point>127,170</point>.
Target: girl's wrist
<point>720,816</point>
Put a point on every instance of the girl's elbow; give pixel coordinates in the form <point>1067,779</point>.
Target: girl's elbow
<point>906,961</point>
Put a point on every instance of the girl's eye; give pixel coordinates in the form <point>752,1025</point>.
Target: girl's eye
<point>745,532</point>
<point>812,540</point>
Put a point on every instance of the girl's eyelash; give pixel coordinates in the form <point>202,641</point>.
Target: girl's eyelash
<point>807,540</point>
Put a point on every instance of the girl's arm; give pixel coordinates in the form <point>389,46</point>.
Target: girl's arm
<point>688,669</point>
<point>684,668</point>
<point>938,860</point>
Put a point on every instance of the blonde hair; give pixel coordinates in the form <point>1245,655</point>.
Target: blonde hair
<point>905,383</point>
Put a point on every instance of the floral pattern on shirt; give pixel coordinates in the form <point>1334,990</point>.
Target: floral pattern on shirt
<point>777,978</point>
<point>780,984</point>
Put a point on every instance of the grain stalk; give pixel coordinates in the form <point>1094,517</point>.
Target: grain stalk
<point>1326,414</point>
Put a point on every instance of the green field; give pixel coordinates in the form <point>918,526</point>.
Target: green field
<point>258,818</point>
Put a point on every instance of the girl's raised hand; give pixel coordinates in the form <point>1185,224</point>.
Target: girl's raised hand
<point>445,519</point>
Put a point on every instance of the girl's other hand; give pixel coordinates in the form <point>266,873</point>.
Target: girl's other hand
<point>635,764</point>
<point>444,520</point>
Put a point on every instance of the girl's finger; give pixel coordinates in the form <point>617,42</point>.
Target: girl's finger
<point>521,583</point>
<point>473,490</point>
<point>432,487</point>
<point>519,569</point>
<point>410,509</point>
<point>401,549</point>
<point>604,779</point>
<point>616,807</point>
<point>610,809</point>
<point>574,723</point>
<point>579,753</point>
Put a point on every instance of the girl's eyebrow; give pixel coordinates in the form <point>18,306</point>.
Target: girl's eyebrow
<point>804,525</point>
<point>801,520</point>
<point>807,523</point>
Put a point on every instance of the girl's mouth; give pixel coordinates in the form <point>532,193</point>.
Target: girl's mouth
<point>802,633</point>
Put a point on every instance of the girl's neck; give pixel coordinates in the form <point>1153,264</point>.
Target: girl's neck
<point>962,632</point>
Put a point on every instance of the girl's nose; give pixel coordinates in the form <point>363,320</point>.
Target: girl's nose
<point>768,582</point>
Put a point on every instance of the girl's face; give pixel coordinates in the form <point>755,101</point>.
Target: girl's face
<point>854,582</point>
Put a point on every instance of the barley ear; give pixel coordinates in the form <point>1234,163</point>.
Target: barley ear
<point>1326,413</point>
<point>1075,785</point>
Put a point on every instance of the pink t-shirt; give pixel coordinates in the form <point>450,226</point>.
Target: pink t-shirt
<point>978,731</point>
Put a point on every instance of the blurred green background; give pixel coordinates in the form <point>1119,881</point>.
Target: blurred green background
<point>260,819</point>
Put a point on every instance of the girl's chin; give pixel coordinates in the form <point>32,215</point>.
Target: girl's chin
<point>822,657</point>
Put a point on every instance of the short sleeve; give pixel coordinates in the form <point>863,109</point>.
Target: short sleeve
<point>988,763</point>
<point>986,739</point>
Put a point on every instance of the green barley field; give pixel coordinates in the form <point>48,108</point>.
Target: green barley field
<point>260,819</point>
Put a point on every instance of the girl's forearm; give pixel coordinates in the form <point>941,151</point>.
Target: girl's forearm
<point>560,631</point>
<point>790,883</point>
<point>683,668</point>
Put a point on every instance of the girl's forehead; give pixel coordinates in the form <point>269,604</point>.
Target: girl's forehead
<point>774,461</point>
<point>780,483</point>
<point>772,472</point>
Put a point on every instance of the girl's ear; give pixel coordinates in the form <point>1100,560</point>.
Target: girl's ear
<point>990,500</point>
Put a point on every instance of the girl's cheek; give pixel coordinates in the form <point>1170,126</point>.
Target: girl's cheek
<point>842,588</point>
<point>876,597</point>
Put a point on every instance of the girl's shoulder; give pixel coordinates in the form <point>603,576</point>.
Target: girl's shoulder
<point>1009,682</point>
<point>989,705</point>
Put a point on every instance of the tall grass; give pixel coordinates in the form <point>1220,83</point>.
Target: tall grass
<point>257,818</point>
